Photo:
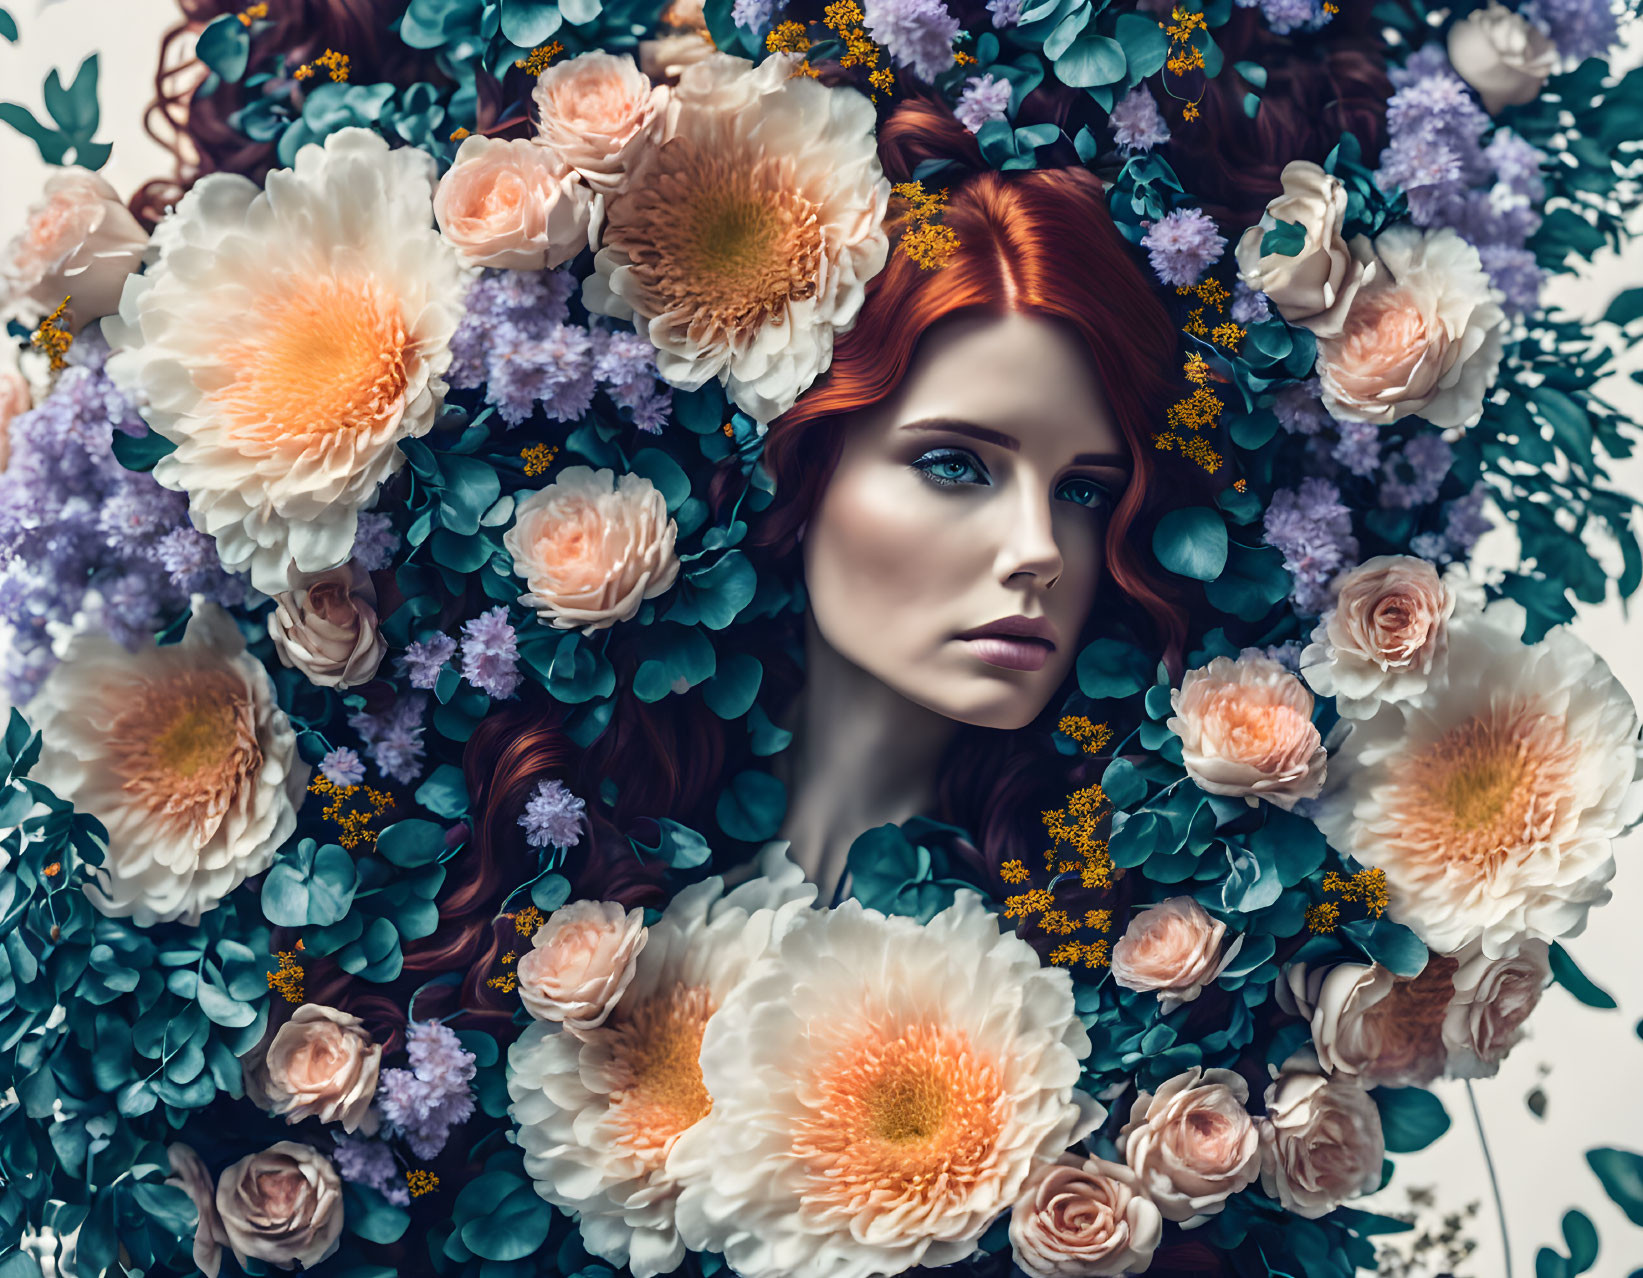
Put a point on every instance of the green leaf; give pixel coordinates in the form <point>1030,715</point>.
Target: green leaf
<point>140,452</point>
<point>723,590</point>
<point>508,1220</point>
<point>412,843</point>
<point>1110,668</point>
<point>8,29</point>
<point>666,474</point>
<point>1411,1117</point>
<point>1192,543</point>
<point>1123,783</point>
<point>74,108</point>
<point>310,886</point>
<point>1146,47</point>
<point>1548,1264</point>
<point>225,47</point>
<point>1621,1173</point>
<point>1580,1237</point>
<point>751,807</point>
<point>370,1216</point>
<point>679,845</point>
<point>1285,239</point>
<point>52,145</point>
<point>1571,426</point>
<point>734,685</point>
<point>222,1008</point>
<point>1568,974</point>
<point>445,792</point>
<point>1091,60</point>
<point>1627,308</point>
<point>529,23</point>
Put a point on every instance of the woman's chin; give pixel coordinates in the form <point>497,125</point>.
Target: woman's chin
<point>997,698</point>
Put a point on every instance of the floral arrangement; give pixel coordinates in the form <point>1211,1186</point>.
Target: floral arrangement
<point>452,389</point>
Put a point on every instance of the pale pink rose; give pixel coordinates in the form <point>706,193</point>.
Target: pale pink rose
<point>1321,1143</point>
<point>1387,635</point>
<point>592,548</point>
<point>581,962</point>
<point>322,1063</point>
<point>665,58</point>
<point>79,242</point>
<point>326,626</point>
<point>513,205</point>
<point>282,1206</point>
<point>593,111</point>
<point>1193,1143</point>
<point>1246,731</point>
<point>1173,947</point>
<point>1424,336</point>
<point>1502,55</point>
<point>189,1174</point>
<point>1315,285</point>
<point>1493,999</point>
<point>1368,1024</point>
<point>1083,1216</point>
<point>15,400</point>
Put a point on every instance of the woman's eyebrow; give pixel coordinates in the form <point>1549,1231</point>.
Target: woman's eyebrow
<point>953,426</point>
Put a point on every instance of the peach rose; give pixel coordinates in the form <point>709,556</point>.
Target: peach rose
<point>580,963</point>
<point>15,400</point>
<point>282,1206</point>
<point>79,242</point>
<point>322,1063</point>
<point>326,626</point>
<point>665,58</point>
<point>1493,998</point>
<point>1321,1143</point>
<point>1424,336</point>
<point>1368,1024</point>
<point>1387,635</point>
<point>1315,285</point>
<point>1083,1216</point>
<point>592,548</point>
<point>1246,731</point>
<point>1502,55</point>
<point>1193,1143</point>
<point>594,110</point>
<point>189,1174</point>
<point>513,205</point>
<point>1173,947</point>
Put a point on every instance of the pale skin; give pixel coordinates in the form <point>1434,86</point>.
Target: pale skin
<point>978,492</point>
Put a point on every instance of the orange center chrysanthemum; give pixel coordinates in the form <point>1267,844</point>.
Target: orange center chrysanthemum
<point>326,358</point>
<point>721,242</point>
<point>184,747</point>
<point>656,1087</point>
<point>903,1120</point>
<point>1485,791</point>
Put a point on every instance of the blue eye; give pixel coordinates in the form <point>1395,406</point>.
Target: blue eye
<point>1085,492</point>
<point>949,466</point>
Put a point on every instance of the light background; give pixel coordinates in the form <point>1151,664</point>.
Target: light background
<point>1595,1081</point>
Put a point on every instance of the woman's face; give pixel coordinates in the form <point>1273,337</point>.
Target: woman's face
<point>957,549</point>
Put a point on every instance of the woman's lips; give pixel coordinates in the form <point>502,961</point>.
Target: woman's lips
<point>1011,654</point>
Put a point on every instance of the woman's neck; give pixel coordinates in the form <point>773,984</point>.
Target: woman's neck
<point>862,756</point>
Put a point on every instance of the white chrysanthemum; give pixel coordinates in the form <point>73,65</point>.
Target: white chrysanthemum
<point>1492,800</point>
<point>184,756</point>
<point>747,231</point>
<point>881,1090</point>
<point>286,341</point>
<point>600,1110</point>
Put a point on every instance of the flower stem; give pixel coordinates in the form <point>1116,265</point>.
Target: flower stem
<point>1494,1181</point>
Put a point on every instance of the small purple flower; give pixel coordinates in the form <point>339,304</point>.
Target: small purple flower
<point>918,34</point>
<point>423,1103</point>
<point>1516,274</point>
<point>1359,449</point>
<point>1284,16</point>
<point>393,738</point>
<point>367,1162</point>
<point>1465,522</point>
<point>624,363</point>
<point>1300,408</point>
<point>1248,306</point>
<point>342,767</point>
<point>1430,59</point>
<point>490,654</point>
<point>553,816</point>
<point>437,1055</point>
<point>1581,29</point>
<point>425,658</point>
<point>1182,245</point>
<point>985,98</point>
<point>1413,476</point>
<point>1006,13</point>
<point>753,15</point>
<point>375,542</point>
<point>1137,124</point>
<point>1311,527</point>
<point>1287,654</point>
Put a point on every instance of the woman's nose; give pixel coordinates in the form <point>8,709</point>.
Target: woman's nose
<point>1028,546</point>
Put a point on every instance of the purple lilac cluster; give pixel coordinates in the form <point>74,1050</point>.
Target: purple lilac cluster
<point>393,737</point>
<point>1312,528</point>
<point>985,98</point>
<point>423,1103</point>
<point>375,542</point>
<point>1285,16</point>
<point>1136,122</point>
<point>73,519</point>
<point>1491,195</point>
<point>918,34</point>
<point>1006,13</point>
<point>1182,245</point>
<point>1580,29</point>
<point>1413,475</point>
<point>425,658</point>
<point>342,767</point>
<point>367,1162</point>
<point>1464,522</point>
<point>517,340</point>
<point>553,816</point>
<point>754,15</point>
<point>490,654</point>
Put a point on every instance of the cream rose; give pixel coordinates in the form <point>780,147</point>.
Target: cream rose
<point>1371,1025</point>
<point>323,1064</point>
<point>325,625</point>
<point>1492,1000</point>
<point>15,400</point>
<point>282,1206</point>
<point>1315,285</point>
<point>1173,947</point>
<point>190,1174</point>
<point>1193,1143</point>
<point>1083,1216</point>
<point>511,204</point>
<point>1502,55</point>
<point>592,548</point>
<point>580,963</point>
<point>594,110</point>
<point>1321,1143</point>
<point>1387,635</point>
<point>79,242</point>
<point>665,58</point>
<point>1424,336</point>
<point>1246,730</point>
